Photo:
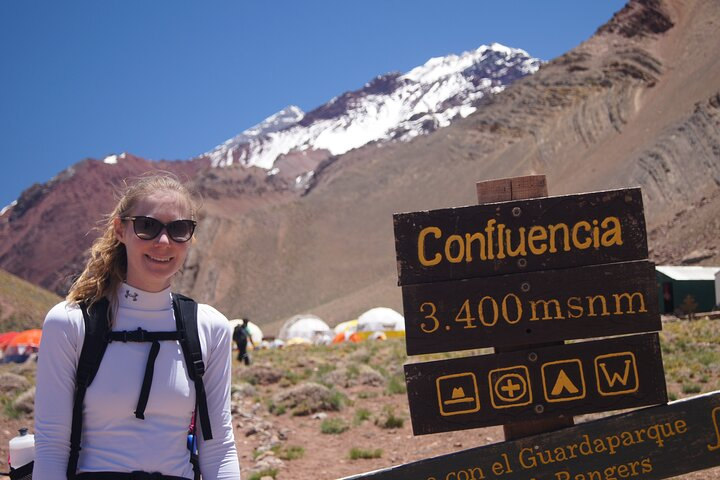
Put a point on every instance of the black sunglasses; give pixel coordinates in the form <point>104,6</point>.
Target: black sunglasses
<point>148,228</point>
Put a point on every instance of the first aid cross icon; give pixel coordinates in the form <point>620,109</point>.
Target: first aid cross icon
<point>510,387</point>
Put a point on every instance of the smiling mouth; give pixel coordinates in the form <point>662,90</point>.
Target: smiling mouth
<point>161,260</point>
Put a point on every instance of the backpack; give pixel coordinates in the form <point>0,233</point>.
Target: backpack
<point>97,337</point>
<point>240,334</point>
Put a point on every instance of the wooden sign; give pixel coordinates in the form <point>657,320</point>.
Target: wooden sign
<point>520,236</point>
<point>650,443</point>
<point>527,308</point>
<point>478,391</point>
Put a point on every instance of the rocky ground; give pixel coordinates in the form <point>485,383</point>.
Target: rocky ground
<point>302,412</point>
<point>327,412</point>
<point>269,428</point>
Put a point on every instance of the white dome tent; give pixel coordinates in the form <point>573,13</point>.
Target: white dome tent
<point>349,326</point>
<point>380,319</point>
<point>307,328</point>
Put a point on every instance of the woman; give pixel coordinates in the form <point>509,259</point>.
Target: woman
<point>144,244</point>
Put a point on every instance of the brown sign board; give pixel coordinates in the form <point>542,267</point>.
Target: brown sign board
<point>520,236</point>
<point>650,443</point>
<point>494,389</point>
<point>528,308</point>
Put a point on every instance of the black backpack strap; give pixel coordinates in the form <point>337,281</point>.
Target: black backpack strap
<point>94,345</point>
<point>147,381</point>
<point>141,335</point>
<point>186,320</point>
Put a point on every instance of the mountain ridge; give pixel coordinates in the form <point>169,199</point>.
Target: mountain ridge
<point>278,158</point>
<point>635,104</point>
<point>391,106</point>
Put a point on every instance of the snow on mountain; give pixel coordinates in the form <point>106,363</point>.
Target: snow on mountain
<point>113,159</point>
<point>7,207</point>
<point>391,107</point>
<point>287,117</point>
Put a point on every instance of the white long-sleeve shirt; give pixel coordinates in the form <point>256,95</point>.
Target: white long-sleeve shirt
<point>113,440</point>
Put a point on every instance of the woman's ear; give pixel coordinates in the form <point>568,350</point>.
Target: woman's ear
<point>119,228</point>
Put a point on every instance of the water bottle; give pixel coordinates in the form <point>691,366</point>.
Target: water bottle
<point>22,449</point>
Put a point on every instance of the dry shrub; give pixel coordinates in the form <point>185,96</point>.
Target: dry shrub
<point>261,375</point>
<point>25,402</point>
<point>369,376</point>
<point>11,383</point>
<point>354,375</point>
<point>243,390</point>
<point>305,399</point>
<point>388,419</point>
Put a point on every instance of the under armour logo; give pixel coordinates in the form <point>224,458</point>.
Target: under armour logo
<point>133,295</point>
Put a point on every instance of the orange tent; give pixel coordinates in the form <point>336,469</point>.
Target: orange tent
<point>347,337</point>
<point>28,338</point>
<point>22,345</point>
<point>5,339</point>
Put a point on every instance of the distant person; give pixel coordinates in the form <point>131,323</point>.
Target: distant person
<point>241,336</point>
<point>144,243</point>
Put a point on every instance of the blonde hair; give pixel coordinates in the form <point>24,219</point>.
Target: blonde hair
<point>106,268</point>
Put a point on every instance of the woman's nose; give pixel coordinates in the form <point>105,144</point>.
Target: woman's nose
<point>163,237</point>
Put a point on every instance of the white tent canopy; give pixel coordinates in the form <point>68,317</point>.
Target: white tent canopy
<point>380,319</point>
<point>306,327</point>
<point>349,326</point>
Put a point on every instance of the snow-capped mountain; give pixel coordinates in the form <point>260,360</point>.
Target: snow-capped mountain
<point>291,146</point>
<point>391,107</point>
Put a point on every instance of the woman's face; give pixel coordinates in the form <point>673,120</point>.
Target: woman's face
<point>152,263</point>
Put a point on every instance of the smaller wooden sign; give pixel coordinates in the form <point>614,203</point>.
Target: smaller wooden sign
<point>651,443</point>
<point>527,308</point>
<point>520,236</point>
<point>478,391</point>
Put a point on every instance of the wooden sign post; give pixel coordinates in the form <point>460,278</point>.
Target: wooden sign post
<point>523,272</point>
<point>531,308</point>
<point>533,186</point>
<point>650,443</point>
<point>523,385</point>
<point>520,236</point>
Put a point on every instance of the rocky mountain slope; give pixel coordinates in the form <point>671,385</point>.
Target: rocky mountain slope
<point>636,104</point>
<point>273,161</point>
<point>22,304</point>
<point>392,106</point>
<point>44,236</point>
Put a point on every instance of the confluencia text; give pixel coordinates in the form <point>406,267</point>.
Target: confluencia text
<point>498,241</point>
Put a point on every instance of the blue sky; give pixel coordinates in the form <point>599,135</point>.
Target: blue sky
<point>170,79</point>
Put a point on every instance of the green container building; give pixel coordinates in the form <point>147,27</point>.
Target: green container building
<point>676,283</point>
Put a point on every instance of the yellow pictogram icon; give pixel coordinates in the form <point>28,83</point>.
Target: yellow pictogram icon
<point>510,387</point>
<point>616,374</point>
<point>563,380</point>
<point>457,394</point>
<point>563,384</point>
<point>713,415</point>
